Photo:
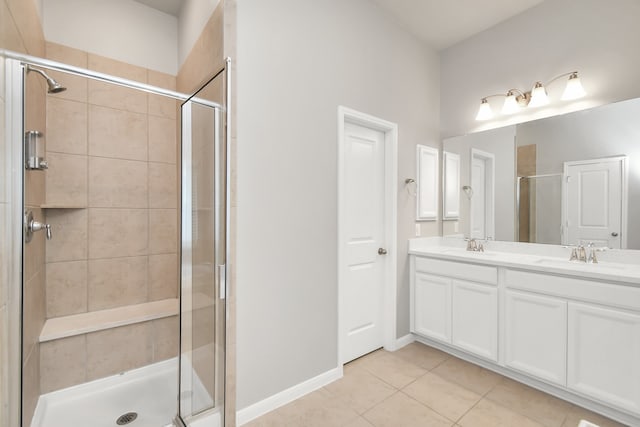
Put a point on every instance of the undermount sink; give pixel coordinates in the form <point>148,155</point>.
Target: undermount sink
<point>577,264</point>
<point>460,251</point>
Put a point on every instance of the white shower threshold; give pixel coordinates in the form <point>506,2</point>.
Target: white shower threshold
<point>150,391</point>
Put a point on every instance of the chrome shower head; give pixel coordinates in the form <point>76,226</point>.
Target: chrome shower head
<point>54,86</point>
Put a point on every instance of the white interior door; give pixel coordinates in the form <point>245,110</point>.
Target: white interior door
<point>482,216</point>
<point>362,287</point>
<point>594,200</point>
<point>479,199</point>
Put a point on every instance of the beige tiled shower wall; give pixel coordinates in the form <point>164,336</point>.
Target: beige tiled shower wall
<point>21,31</point>
<point>81,358</point>
<point>111,192</point>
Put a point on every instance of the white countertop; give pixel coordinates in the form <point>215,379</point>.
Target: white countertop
<point>617,266</point>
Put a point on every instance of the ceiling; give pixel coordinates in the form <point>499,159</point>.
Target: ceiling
<point>443,23</point>
<point>438,23</point>
<point>171,7</point>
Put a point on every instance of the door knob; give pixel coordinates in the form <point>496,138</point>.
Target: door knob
<point>614,234</point>
<point>382,251</point>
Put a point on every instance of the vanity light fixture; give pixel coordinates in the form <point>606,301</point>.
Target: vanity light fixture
<point>539,97</point>
<point>574,89</point>
<point>515,100</point>
<point>484,113</point>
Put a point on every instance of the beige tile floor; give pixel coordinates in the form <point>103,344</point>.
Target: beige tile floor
<point>421,386</point>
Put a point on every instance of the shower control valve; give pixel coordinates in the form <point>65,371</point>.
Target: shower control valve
<point>31,226</point>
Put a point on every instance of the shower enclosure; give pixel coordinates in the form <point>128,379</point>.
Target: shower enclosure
<point>538,208</point>
<point>119,231</point>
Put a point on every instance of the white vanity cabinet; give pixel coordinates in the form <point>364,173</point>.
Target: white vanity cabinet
<point>432,307</point>
<point>573,335</point>
<point>604,354</point>
<point>536,335</point>
<point>449,307</point>
<point>475,318</point>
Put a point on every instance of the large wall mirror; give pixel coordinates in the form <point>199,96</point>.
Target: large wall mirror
<point>568,179</point>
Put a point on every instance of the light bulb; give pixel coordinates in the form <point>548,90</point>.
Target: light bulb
<point>510,104</point>
<point>484,113</point>
<point>539,96</point>
<point>574,89</point>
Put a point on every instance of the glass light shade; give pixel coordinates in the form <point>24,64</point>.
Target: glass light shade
<point>510,104</point>
<point>484,113</point>
<point>539,96</point>
<point>574,89</point>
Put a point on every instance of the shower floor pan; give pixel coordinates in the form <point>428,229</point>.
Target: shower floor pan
<point>150,392</point>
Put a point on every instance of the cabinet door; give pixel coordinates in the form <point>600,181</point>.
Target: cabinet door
<point>604,355</point>
<point>432,311</point>
<point>536,335</point>
<point>475,318</point>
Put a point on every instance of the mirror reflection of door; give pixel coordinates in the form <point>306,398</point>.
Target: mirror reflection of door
<point>482,224</point>
<point>594,202</point>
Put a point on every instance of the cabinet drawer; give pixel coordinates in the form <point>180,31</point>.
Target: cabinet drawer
<point>622,296</point>
<point>458,270</point>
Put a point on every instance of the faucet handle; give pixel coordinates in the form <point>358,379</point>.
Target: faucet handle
<point>582,253</point>
<point>472,244</point>
<point>592,256</point>
<point>574,254</point>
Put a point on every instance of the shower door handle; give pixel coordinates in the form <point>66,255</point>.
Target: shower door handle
<point>222,281</point>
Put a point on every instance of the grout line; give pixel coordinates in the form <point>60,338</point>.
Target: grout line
<point>439,364</point>
<point>469,410</point>
<point>428,407</point>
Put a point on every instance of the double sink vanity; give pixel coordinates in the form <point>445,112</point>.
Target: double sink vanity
<point>569,328</point>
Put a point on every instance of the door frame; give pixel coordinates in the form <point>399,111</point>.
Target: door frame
<point>13,219</point>
<point>345,116</point>
<point>490,192</point>
<point>624,164</point>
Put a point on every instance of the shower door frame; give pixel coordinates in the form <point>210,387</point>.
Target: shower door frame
<point>14,164</point>
<point>220,270</point>
<point>13,64</point>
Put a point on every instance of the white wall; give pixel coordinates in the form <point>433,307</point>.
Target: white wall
<point>194,15</point>
<point>501,143</point>
<point>120,29</point>
<point>298,60</point>
<point>597,37</point>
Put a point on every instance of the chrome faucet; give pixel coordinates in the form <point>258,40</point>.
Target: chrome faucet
<point>585,254</point>
<point>593,259</point>
<point>582,254</point>
<point>474,245</point>
<point>574,253</point>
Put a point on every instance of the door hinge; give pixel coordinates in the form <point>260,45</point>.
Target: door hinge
<point>568,178</point>
<point>222,281</point>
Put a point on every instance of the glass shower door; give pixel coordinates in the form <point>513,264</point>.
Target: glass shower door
<point>203,270</point>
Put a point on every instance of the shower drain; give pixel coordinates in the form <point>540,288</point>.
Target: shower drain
<point>127,418</point>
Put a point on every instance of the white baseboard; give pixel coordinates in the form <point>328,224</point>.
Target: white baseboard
<point>404,341</point>
<point>289,395</point>
<point>400,342</point>
<point>559,392</point>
